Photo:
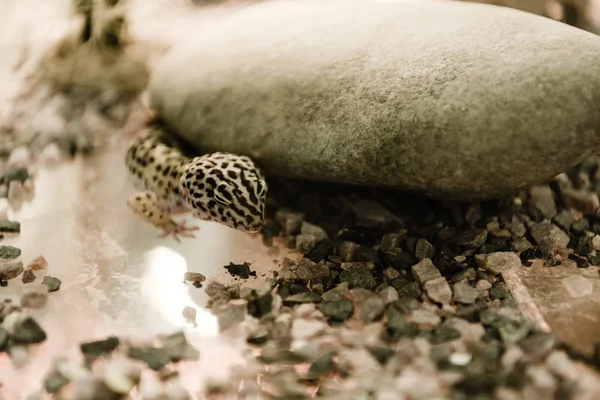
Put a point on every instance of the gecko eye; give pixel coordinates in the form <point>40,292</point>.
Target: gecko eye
<point>222,194</point>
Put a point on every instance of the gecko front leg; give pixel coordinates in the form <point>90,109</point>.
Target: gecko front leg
<point>146,206</point>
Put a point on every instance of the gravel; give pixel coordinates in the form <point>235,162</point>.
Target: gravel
<point>52,283</point>
<point>9,252</point>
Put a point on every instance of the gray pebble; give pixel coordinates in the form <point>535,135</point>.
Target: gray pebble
<point>469,274</point>
<point>314,230</point>
<point>304,297</point>
<point>471,238</point>
<point>438,290</point>
<point>564,220</point>
<point>349,266</point>
<point>28,331</point>
<point>34,296</point>
<point>308,270</point>
<point>338,293</point>
<point>11,270</point>
<point>425,271</point>
<point>497,262</point>
<point>371,309</point>
<point>539,344</point>
<point>521,244</point>
<point>542,203</point>
<point>464,293</point>
<point>389,295</point>
<point>358,278</point>
<point>549,237</point>
<point>348,250</point>
<point>28,276</point>
<point>193,277</point>
<point>391,273</point>
<point>9,252</point>
<point>390,241</point>
<point>178,348</point>
<point>231,314</point>
<point>337,311</point>
<point>305,243</point>
<point>52,283</point>
<point>424,249</point>
<point>10,226</point>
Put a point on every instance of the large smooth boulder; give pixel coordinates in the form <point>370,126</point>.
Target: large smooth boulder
<point>453,100</point>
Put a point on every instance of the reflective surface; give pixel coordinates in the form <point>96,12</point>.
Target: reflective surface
<point>117,276</point>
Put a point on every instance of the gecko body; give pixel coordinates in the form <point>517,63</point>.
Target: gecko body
<point>221,187</point>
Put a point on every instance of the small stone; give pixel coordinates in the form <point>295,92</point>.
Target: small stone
<point>304,297</point>
<point>371,309</point>
<point>577,285</point>
<point>3,339</point>
<point>120,375</point>
<point>471,238</point>
<point>336,311</point>
<point>424,249</point>
<point>19,355</point>
<point>521,244</point>
<point>10,227</point>
<point>358,278</point>
<point>240,270</point>
<point>407,289</point>
<point>177,348</point>
<point>38,264</point>
<point>28,276</point>
<point>482,285</point>
<point>290,221</point>
<point>348,251</point>
<point>396,326</point>
<point>307,328</point>
<point>340,292</point>
<point>54,381</point>
<point>438,290</point>
<point>9,252</point>
<point>390,241</point>
<point>154,357</point>
<point>541,203</point>
<point>425,317</point>
<point>194,277</point>
<point>464,293</point>
<point>308,270</point>
<point>468,274</point>
<point>34,296</point>
<point>11,270</point>
<point>52,283</point>
<point>549,237</point>
<point>99,347</point>
<point>425,271</point>
<point>231,314</point>
<point>305,243</point>
<point>389,295</point>
<point>28,331</point>
<point>499,291</point>
<point>390,273</point>
<point>189,314</point>
<point>539,344</point>
<point>314,230</point>
<point>564,220</point>
<point>498,262</point>
<point>596,242</point>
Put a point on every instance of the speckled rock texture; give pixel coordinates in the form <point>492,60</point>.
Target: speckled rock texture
<point>452,100</point>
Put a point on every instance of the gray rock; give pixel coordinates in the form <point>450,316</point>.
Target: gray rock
<point>28,331</point>
<point>305,243</point>
<point>377,92</point>
<point>358,278</point>
<point>10,270</point>
<point>34,296</point>
<point>498,262</point>
<point>314,230</point>
<point>521,244</point>
<point>28,276</point>
<point>52,283</point>
<point>308,270</point>
<point>10,226</point>
<point>425,271</point>
<point>371,309</point>
<point>9,252</point>
<point>337,311</point>
<point>389,295</point>
<point>465,293</point>
<point>438,290</point>
<point>549,237</point>
<point>424,249</point>
<point>542,203</point>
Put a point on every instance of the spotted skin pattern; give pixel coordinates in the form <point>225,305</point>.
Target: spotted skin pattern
<point>225,188</point>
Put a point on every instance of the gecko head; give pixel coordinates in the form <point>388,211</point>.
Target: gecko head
<point>225,188</point>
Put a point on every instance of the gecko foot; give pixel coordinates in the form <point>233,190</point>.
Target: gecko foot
<point>180,229</point>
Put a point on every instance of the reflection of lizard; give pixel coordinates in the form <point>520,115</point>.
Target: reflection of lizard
<point>221,187</point>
